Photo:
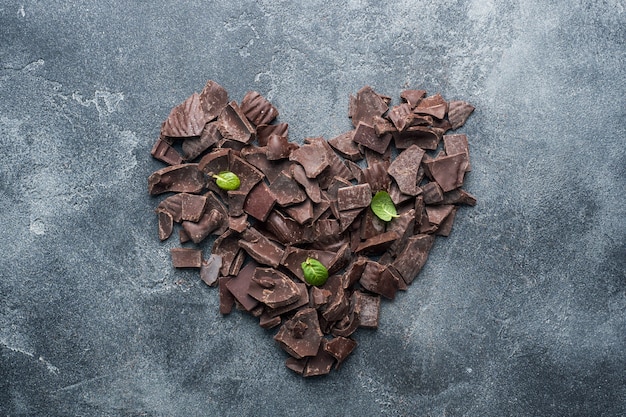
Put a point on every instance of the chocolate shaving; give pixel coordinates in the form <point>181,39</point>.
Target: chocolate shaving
<point>183,178</point>
<point>186,119</point>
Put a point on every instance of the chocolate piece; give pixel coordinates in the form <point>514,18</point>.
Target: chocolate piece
<point>268,322</point>
<point>183,236</point>
<point>260,202</point>
<point>233,124</point>
<point>398,197</point>
<point>338,304</point>
<point>371,225</point>
<point>210,269</point>
<point>236,201</point>
<point>345,146</point>
<point>336,167</point>
<point>271,169</point>
<point>273,288</point>
<point>423,136</point>
<point>286,190</point>
<point>448,171</point>
<point>401,116</point>
<point>411,260</point>
<point>210,222</point>
<point>238,286</point>
<point>303,300</point>
<point>301,335</point>
<point>366,105</point>
<point>368,307</point>
<point>213,99</point>
<point>318,296</point>
<point>437,214</point>
<point>445,227</point>
<point>227,300</point>
<point>373,280</point>
<point>383,126</point>
<point>405,167</point>
<point>356,170</point>
<point>356,196</point>
<point>173,205</point>
<point>458,196</point>
<point>327,230</point>
<point>260,248</point>
<point>257,109</point>
<point>455,144</point>
<point>434,105</point>
<point>192,206</point>
<point>340,348</point>
<point>184,178</point>
<point>278,147</point>
<point>347,217</point>
<point>293,258</point>
<point>458,112</point>
<point>341,259</point>
<point>413,97</point>
<point>166,224</point>
<point>320,364</point>
<point>238,223</point>
<point>248,174</point>
<point>366,136</point>
<point>378,243</point>
<point>186,119</point>
<point>215,162</point>
<point>301,213</point>
<point>227,246</point>
<point>403,225</point>
<point>286,230</point>
<point>214,203</point>
<point>432,193</point>
<point>376,176</point>
<point>296,365</point>
<point>263,132</point>
<point>311,186</point>
<point>165,152</point>
<point>237,263</point>
<point>195,146</point>
<point>186,257</point>
<point>312,157</point>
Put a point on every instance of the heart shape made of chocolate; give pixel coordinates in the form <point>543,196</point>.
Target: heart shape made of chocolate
<point>319,200</point>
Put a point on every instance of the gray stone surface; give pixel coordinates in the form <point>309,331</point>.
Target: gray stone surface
<point>521,311</point>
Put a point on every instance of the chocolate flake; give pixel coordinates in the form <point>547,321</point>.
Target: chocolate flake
<point>405,167</point>
<point>257,109</point>
<point>186,119</point>
<point>233,124</point>
<point>186,257</point>
<point>210,269</point>
<point>183,178</point>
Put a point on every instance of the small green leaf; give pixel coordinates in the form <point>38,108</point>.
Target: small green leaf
<point>383,207</point>
<point>227,180</point>
<point>314,272</point>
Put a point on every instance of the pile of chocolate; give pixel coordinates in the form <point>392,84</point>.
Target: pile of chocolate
<point>296,202</point>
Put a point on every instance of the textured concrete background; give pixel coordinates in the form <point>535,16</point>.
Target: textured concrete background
<point>521,311</point>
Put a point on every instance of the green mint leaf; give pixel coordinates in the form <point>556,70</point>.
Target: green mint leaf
<point>383,207</point>
<point>314,272</point>
<point>227,180</point>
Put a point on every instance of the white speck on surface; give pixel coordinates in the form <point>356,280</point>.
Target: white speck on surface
<point>104,101</point>
<point>21,12</point>
<point>37,227</point>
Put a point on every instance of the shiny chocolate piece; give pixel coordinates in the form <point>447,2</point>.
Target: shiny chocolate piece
<point>413,257</point>
<point>186,257</point>
<point>165,152</point>
<point>301,335</point>
<point>404,169</point>
<point>273,288</point>
<point>183,178</point>
<point>185,120</point>
<point>233,124</point>
<point>215,162</point>
<point>210,270</point>
<point>258,109</point>
<point>458,113</point>
<point>366,135</point>
<point>286,190</point>
<point>195,146</point>
<point>263,132</point>
<point>366,105</point>
<point>279,147</point>
<point>356,196</point>
<point>260,202</point>
<point>213,99</point>
<point>312,157</point>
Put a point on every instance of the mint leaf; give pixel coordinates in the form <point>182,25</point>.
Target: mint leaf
<point>314,272</point>
<point>227,180</point>
<point>383,206</point>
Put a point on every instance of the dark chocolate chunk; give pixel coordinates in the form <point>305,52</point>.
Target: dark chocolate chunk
<point>458,112</point>
<point>186,119</point>
<point>186,257</point>
<point>301,213</point>
<point>166,224</point>
<point>215,162</point>
<point>303,300</point>
<point>411,260</point>
<point>368,307</point>
<point>423,136</point>
<point>238,286</point>
<point>210,269</point>
<point>268,322</point>
<point>376,176</point>
<point>437,214</point>
<point>273,288</point>
<point>260,202</point>
<point>458,196</point>
<point>320,364</point>
<point>301,335</point>
<point>278,147</point>
<point>257,109</point>
<point>448,171</point>
<point>312,157</point>
<point>434,105</point>
<point>296,365</point>
<point>286,190</point>
<point>210,222</point>
<point>165,152</point>
<point>336,167</point>
<point>432,193</point>
<point>346,147</point>
<point>371,225</point>
<point>366,136</point>
<point>455,144</point>
<point>366,105</point>
<point>445,227</point>
<point>238,223</point>
<point>271,169</point>
<point>260,248</point>
<point>401,116</point>
<point>247,173</point>
<point>340,348</point>
<point>213,99</point>
<point>311,186</point>
<point>195,146</point>
<point>377,244</point>
<point>227,246</point>
<point>263,132</point>
<point>383,126</point>
<point>183,178</point>
<point>192,206</point>
<point>287,230</point>
<point>375,281</point>
<point>356,196</point>
<point>413,97</point>
<point>405,167</point>
<point>236,201</point>
<point>226,297</point>
<point>233,124</point>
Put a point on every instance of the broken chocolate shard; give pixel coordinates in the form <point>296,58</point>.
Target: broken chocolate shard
<point>423,136</point>
<point>340,348</point>
<point>434,105</point>
<point>376,176</point>
<point>320,364</point>
<point>183,178</point>
<point>260,202</point>
<point>301,213</point>
<point>286,190</point>
<point>233,124</point>
<point>437,214</point>
<point>165,152</point>
<point>213,99</point>
<point>377,244</point>
<point>258,109</point>
<point>236,201</point>
<point>404,169</point>
<point>192,206</point>
<point>346,147</point>
<point>215,162</point>
<point>210,269</point>
<point>454,144</point>
<point>458,113</point>
<point>401,116</point>
<point>198,231</point>
<point>413,97</point>
<point>432,193</point>
<point>278,147</point>
<point>368,307</point>
<point>366,136</point>
<point>375,281</point>
<point>287,230</point>
<point>273,288</point>
<point>311,186</point>
<point>238,286</point>
<point>296,365</point>
<point>246,172</point>
<point>411,260</point>
<point>173,205</point>
<point>445,227</point>
<point>226,297</point>
<point>366,105</point>
<point>263,132</point>
<point>458,196</point>
<point>186,257</point>
<point>227,246</point>
<point>186,119</point>
<point>271,169</point>
<point>195,146</point>
<point>166,224</point>
<point>297,342</point>
<point>261,248</point>
<point>356,196</point>
<point>312,157</point>
<point>448,171</point>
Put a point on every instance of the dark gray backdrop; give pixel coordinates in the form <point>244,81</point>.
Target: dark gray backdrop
<point>521,311</point>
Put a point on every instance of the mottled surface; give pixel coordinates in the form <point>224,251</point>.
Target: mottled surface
<point>521,311</point>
